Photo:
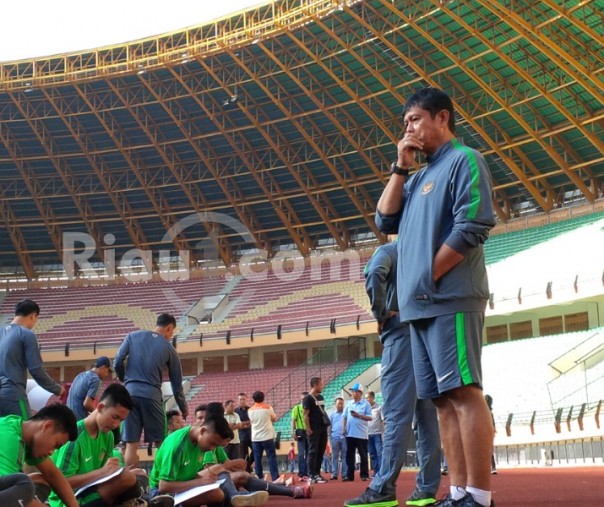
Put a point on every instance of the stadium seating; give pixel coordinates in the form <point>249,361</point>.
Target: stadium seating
<point>315,297</point>
<point>83,316</point>
<point>525,366</point>
<point>501,246</point>
<point>207,387</point>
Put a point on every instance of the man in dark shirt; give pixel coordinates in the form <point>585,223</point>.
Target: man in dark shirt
<point>20,353</point>
<point>148,353</point>
<point>245,432</point>
<point>316,428</point>
<point>85,388</point>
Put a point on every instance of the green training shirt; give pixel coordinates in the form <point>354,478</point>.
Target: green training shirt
<point>13,451</point>
<point>178,459</point>
<point>214,457</point>
<point>85,454</point>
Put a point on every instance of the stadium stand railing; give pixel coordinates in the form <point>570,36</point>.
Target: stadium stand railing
<point>501,246</point>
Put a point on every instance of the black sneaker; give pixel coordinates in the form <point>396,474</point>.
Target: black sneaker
<point>318,479</point>
<point>373,499</point>
<point>421,498</point>
<point>466,501</point>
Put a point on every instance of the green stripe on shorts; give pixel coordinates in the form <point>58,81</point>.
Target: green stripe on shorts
<point>462,351</point>
<point>23,407</point>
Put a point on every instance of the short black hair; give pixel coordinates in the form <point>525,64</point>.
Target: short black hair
<point>432,100</point>
<point>339,398</point>
<point>228,402</point>
<point>117,394</point>
<point>242,394</point>
<point>62,417</point>
<point>165,319</point>
<point>219,424</point>
<point>370,393</point>
<point>258,396</point>
<point>214,408</point>
<point>26,307</point>
<point>315,381</point>
<point>201,408</point>
<point>170,414</point>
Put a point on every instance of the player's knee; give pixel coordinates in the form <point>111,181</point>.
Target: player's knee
<point>214,496</point>
<point>127,479</point>
<point>240,478</point>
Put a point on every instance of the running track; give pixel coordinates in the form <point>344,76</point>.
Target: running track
<point>519,487</point>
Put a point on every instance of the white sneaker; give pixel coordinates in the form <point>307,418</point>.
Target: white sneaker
<point>250,499</point>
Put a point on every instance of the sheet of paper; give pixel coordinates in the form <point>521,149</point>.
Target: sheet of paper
<point>37,397</point>
<point>193,492</point>
<point>99,481</point>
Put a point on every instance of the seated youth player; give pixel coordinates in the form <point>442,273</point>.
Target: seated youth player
<point>89,457</point>
<point>218,461</point>
<point>33,441</point>
<point>178,466</point>
<point>174,420</point>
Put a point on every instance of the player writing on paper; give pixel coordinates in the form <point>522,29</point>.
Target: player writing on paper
<point>32,442</point>
<point>88,458</point>
<point>178,467</point>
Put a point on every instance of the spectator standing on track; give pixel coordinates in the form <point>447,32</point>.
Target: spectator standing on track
<point>355,423</point>
<point>300,436</point>
<point>262,416</point>
<point>375,430</point>
<point>338,441</point>
<point>291,458</point>
<point>233,448</point>
<point>246,450</point>
<point>317,423</point>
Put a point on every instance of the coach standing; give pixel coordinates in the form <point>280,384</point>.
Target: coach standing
<point>148,353</point>
<point>20,353</point>
<point>443,215</point>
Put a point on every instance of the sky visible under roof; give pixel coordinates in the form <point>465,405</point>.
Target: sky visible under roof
<point>48,27</point>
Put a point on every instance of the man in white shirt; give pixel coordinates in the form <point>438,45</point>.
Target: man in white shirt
<point>232,449</point>
<point>375,430</point>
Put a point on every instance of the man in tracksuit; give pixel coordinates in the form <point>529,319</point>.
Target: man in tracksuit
<point>139,363</point>
<point>443,215</point>
<point>398,391</point>
<point>20,353</point>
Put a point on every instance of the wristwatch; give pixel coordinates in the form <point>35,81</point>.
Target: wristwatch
<point>394,169</point>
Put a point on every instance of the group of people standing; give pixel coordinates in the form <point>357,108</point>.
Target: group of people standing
<point>428,293</point>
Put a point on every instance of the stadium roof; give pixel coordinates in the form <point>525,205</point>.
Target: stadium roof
<point>277,125</point>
